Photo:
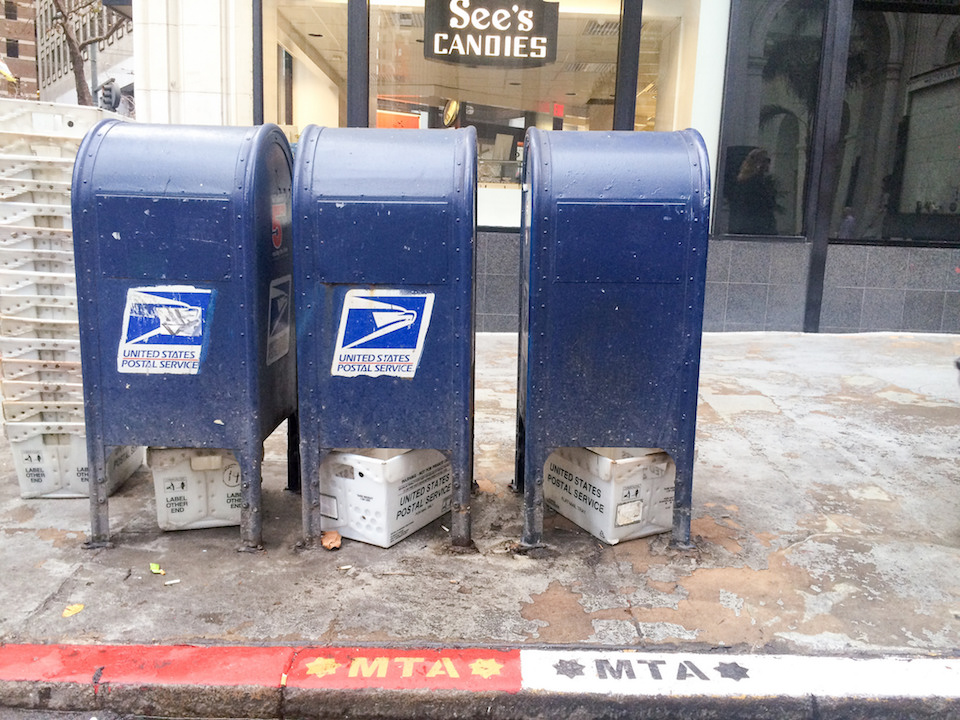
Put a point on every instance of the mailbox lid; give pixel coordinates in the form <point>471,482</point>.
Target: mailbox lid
<point>181,203</point>
<point>626,206</point>
<point>620,166</point>
<point>385,206</point>
<point>144,159</point>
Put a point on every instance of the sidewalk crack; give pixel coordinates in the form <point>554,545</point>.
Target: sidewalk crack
<point>47,602</point>
<point>631,617</point>
<point>282,705</point>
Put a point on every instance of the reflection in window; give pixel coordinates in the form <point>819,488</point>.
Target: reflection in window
<point>657,75</point>
<point>310,64</point>
<point>900,172</point>
<point>575,92</point>
<point>771,98</point>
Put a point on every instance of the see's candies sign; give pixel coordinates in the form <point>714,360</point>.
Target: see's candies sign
<point>519,34</point>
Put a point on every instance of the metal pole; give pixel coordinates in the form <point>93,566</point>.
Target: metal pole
<point>823,184</point>
<point>358,63</point>
<point>94,83</point>
<point>258,62</point>
<point>628,65</point>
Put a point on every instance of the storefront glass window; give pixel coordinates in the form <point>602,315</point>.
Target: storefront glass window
<point>900,172</point>
<point>309,67</point>
<point>769,107</point>
<point>574,92</point>
<point>528,72</point>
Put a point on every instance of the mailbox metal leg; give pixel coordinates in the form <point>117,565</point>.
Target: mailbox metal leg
<point>532,473</point>
<point>517,484</point>
<point>461,461</point>
<point>293,453</point>
<point>99,501</point>
<point>311,456</point>
<point>682,499</point>
<point>251,515</point>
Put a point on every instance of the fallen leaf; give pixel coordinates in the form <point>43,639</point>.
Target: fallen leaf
<point>330,539</point>
<point>72,610</point>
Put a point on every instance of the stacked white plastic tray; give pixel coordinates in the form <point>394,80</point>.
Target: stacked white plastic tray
<point>40,381</point>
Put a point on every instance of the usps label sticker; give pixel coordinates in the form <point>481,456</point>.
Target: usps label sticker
<point>163,330</point>
<point>278,320</point>
<point>381,333</point>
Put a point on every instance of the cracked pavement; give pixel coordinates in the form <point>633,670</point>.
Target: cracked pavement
<point>826,519</point>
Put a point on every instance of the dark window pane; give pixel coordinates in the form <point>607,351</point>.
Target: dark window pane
<point>900,171</point>
<point>769,106</point>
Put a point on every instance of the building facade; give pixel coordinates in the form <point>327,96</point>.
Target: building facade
<point>108,59</point>
<point>837,199</point>
<point>18,49</point>
<point>831,124</point>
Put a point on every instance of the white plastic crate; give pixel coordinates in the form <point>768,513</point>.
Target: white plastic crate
<point>26,165</point>
<point>41,328</point>
<point>41,371</point>
<point>40,349</point>
<point>39,316</point>
<point>19,213</point>
<point>613,493</point>
<point>195,488</point>
<point>54,307</point>
<point>27,238</point>
<point>36,260</point>
<point>36,282</point>
<point>30,411</point>
<point>51,460</point>
<point>34,190</point>
<point>381,496</point>
<point>37,144</point>
<point>40,392</point>
<point>45,119</point>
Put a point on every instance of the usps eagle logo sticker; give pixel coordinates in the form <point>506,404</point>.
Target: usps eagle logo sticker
<point>381,333</point>
<point>163,330</point>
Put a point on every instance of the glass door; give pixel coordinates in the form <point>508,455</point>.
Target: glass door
<point>899,174</point>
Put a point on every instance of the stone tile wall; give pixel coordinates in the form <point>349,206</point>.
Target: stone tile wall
<point>891,288</point>
<point>758,285</point>
<point>498,281</point>
<point>755,285</point>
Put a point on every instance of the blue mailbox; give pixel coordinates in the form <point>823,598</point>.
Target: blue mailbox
<point>384,232</point>
<point>184,266</point>
<point>614,261</point>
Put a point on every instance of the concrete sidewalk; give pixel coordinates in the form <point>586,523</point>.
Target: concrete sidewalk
<point>826,507</point>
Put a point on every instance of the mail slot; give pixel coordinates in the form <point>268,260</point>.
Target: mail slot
<point>184,268</point>
<point>614,234</point>
<point>384,231</point>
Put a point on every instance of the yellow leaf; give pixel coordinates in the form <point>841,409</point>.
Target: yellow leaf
<point>72,610</point>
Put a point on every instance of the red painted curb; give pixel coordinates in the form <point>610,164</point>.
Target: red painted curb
<point>145,664</point>
<point>473,670</point>
<point>339,668</point>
